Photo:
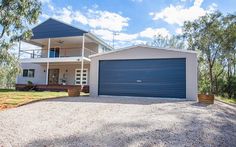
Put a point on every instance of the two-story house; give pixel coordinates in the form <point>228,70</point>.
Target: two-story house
<point>61,59</point>
<point>70,57</point>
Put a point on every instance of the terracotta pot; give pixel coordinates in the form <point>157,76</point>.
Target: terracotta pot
<point>74,91</point>
<point>207,99</point>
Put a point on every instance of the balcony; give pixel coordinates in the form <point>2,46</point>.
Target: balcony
<point>55,55</point>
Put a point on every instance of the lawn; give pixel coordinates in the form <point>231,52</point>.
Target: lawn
<point>227,100</point>
<point>10,98</point>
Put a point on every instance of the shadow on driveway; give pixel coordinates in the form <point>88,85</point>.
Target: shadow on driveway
<point>192,132</point>
<point>120,100</point>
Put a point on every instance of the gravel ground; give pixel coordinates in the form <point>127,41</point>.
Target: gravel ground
<point>104,122</point>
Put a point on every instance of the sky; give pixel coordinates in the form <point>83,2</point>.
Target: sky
<point>133,21</point>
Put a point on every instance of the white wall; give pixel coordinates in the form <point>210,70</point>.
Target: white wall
<point>40,75</point>
<point>149,53</point>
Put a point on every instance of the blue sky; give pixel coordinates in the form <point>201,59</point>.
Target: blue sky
<point>136,21</point>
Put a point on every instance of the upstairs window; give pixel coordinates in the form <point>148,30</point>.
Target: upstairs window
<point>28,73</point>
<point>54,52</point>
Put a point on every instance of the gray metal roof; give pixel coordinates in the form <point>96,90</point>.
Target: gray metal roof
<point>52,28</point>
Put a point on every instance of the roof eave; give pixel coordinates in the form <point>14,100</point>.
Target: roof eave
<point>144,46</point>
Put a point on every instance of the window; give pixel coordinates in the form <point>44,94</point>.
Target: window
<point>28,73</point>
<point>54,52</point>
<point>25,73</point>
<point>31,73</point>
<point>77,76</point>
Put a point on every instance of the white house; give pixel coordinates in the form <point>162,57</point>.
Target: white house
<point>62,53</point>
<point>139,71</point>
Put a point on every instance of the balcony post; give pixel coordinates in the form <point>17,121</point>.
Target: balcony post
<point>82,63</point>
<point>47,72</point>
<point>49,42</point>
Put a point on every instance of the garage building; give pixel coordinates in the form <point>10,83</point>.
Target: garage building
<point>144,71</point>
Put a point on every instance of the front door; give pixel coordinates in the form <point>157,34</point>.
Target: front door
<point>53,76</point>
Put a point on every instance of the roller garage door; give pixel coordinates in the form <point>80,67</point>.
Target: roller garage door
<point>143,77</point>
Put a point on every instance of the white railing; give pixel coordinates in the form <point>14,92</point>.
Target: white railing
<point>63,52</point>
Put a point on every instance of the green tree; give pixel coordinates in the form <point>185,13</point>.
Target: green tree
<point>205,35</point>
<point>229,47</point>
<point>16,16</point>
<point>213,35</point>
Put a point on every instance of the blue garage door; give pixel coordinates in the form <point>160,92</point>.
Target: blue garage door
<point>148,78</point>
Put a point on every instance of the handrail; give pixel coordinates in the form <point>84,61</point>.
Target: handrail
<point>63,52</point>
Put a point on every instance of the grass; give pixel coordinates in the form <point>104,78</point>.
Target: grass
<point>10,98</point>
<point>227,100</point>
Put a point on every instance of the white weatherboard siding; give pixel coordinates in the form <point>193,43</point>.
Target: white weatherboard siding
<point>140,52</point>
<point>40,75</point>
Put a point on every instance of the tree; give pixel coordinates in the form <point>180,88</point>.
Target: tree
<point>214,36</point>
<point>168,42</point>
<point>16,16</point>
<point>204,35</point>
<point>9,68</point>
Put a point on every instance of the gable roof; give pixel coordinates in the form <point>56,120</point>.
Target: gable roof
<point>52,28</point>
<point>144,46</point>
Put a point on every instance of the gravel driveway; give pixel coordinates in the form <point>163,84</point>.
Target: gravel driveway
<point>104,122</point>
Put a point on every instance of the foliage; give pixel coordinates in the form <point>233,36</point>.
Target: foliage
<point>15,18</point>
<point>168,42</point>
<point>9,68</point>
<point>214,36</point>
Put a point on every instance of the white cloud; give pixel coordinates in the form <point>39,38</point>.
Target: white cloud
<point>150,32</point>
<point>104,34</point>
<point>96,19</point>
<point>46,16</point>
<point>198,3</point>
<point>178,14</point>
<point>48,3</point>
<point>179,31</point>
<point>107,20</point>
<point>65,15</point>
<point>212,7</point>
<point>135,42</point>
<point>126,37</point>
<point>79,17</point>
<point>45,1</point>
<point>51,7</point>
<point>108,35</point>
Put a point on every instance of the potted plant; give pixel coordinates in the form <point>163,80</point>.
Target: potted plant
<point>206,98</point>
<point>29,86</point>
<point>74,91</point>
<point>63,81</point>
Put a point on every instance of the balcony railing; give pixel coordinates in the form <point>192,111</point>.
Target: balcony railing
<point>63,52</point>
